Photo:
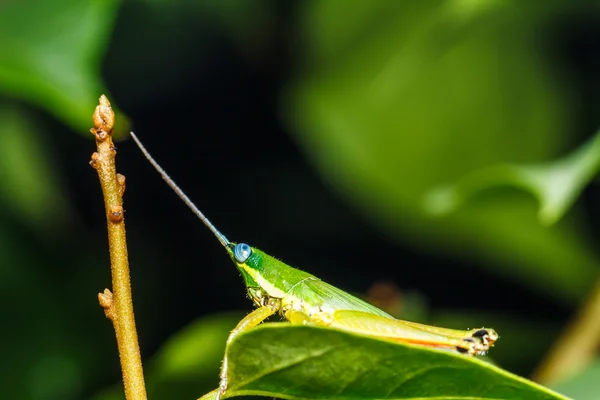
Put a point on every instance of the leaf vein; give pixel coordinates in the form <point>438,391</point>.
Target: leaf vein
<point>409,377</point>
<point>290,364</point>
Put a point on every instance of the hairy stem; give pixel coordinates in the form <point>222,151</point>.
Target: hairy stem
<point>117,305</point>
<point>576,347</point>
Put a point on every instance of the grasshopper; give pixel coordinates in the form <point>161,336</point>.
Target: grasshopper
<point>301,298</point>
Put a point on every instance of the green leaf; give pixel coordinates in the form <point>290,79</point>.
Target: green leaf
<point>398,98</point>
<point>555,184</point>
<point>304,362</point>
<point>50,54</point>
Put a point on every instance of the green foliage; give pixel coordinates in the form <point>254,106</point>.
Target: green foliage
<point>398,98</point>
<point>50,54</point>
<point>268,361</point>
<point>28,178</point>
<point>389,100</point>
<point>555,184</point>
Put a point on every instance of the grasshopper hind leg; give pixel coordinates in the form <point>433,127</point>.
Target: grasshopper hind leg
<point>469,342</point>
<point>487,336</point>
<point>478,342</point>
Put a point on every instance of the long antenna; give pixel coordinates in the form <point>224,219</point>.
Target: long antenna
<point>180,193</point>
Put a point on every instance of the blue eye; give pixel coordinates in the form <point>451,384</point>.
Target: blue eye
<point>241,252</point>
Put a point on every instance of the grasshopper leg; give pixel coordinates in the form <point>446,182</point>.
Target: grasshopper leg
<point>250,321</point>
<point>322,316</point>
<point>473,342</point>
<point>469,342</point>
<point>486,335</point>
<point>297,317</point>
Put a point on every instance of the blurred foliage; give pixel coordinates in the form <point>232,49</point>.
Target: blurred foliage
<point>556,184</point>
<point>583,386</point>
<point>388,100</point>
<point>28,176</point>
<point>386,111</point>
<point>55,61</point>
<point>186,364</point>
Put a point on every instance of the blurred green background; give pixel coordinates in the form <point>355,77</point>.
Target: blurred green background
<point>325,133</point>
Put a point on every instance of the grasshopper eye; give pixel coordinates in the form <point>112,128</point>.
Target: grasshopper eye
<point>241,252</point>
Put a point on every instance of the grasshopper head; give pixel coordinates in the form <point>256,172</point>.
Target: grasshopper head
<point>247,261</point>
<point>260,270</point>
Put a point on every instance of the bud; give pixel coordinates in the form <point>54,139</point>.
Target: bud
<point>104,117</point>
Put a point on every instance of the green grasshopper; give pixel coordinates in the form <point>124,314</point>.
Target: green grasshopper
<point>302,298</point>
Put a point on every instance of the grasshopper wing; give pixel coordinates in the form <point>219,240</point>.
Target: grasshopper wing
<point>316,292</point>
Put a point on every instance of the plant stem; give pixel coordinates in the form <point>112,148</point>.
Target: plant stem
<point>118,305</point>
<point>576,347</point>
